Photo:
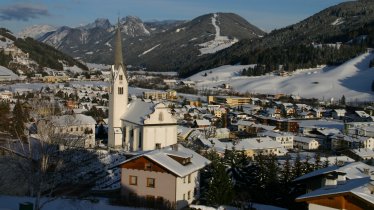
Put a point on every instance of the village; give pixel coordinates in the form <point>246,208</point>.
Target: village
<point>162,148</point>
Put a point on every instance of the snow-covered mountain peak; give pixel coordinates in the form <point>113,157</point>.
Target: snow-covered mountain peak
<point>36,31</point>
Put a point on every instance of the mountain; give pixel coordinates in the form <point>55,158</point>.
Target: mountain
<point>36,31</point>
<point>155,45</point>
<point>349,22</point>
<point>32,55</point>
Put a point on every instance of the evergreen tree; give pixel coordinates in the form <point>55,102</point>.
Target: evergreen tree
<point>317,163</point>
<point>19,118</point>
<point>4,113</point>
<point>298,168</point>
<point>342,100</point>
<point>286,175</point>
<point>220,190</point>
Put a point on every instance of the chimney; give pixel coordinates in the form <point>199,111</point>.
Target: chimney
<point>174,147</point>
<point>342,178</point>
<point>330,181</point>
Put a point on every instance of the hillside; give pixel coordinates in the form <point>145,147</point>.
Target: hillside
<point>158,45</point>
<point>33,55</point>
<point>352,79</point>
<point>349,23</point>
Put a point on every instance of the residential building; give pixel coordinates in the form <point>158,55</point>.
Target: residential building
<point>169,174</point>
<point>305,143</point>
<point>231,101</point>
<point>285,139</point>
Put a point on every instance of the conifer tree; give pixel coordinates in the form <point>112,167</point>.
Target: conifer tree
<point>220,190</point>
<point>18,125</point>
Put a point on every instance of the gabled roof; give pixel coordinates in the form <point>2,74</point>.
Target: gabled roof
<point>355,186</point>
<point>138,111</point>
<point>353,171</point>
<point>161,156</point>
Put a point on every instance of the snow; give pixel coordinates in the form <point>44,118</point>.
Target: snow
<point>256,206</point>
<point>89,53</point>
<point>5,72</point>
<point>179,29</point>
<point>147,51</point>
<point>352,79</point>
<point>338,21</point>
<point>12,203</point>
<point>96,66</point>
<point>6,43</point>
<point>108,44</point>
<point>36,31</point>
<point>218,43</point>
<point>73,69</point>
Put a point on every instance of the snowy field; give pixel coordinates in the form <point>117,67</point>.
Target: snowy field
<point>5,71</point>
<point>12,203</point>
<point>352,79</point>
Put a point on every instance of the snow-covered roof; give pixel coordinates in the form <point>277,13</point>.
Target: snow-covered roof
<point>138,111</point>
<point>202,122</point>
<point>303,139</point>
<point>161,156</point>
<point>71,120</point>
<point>244,144</point>
<point>355,186</point>
<point>353,170</point>
<point>364,153</point>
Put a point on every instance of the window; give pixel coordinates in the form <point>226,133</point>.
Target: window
<point>184,179</point>
<point>120,77</point>
<point>133,180</point>
<point>148,166</point>
<point>120,90</point>
<point>76,129</point>
<point>158,146</point>
<point>161,116</point>
<point>189,195</point>
<point>184,196</point>
<point>151,182</point>
<point>189,178</point>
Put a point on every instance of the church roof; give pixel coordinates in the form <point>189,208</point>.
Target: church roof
<point>138,111</point>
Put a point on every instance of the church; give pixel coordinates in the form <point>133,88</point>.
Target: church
<point>138,125</point>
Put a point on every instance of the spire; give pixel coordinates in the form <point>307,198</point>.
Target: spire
<point>118,48</point>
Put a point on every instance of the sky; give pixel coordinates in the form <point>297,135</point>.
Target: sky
<point>16,15</point>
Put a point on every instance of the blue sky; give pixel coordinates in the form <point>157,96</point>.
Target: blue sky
<point>266,14</point>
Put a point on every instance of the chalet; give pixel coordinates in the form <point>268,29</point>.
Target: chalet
<point>314,180</point>
<point>168,174</point>
<point>340,141</point>
<point>340,193</point>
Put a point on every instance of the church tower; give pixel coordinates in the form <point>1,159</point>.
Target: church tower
<point>118,94</point>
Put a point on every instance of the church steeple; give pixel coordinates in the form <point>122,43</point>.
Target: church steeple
<point>118,94</point>
<point>118,59</point>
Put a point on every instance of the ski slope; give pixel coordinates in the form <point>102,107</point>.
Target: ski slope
<point>352,79</point>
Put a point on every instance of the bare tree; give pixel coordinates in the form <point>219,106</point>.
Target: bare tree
<point>49,164</point>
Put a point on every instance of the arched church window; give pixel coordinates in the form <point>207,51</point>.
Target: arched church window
<point>120,77</point>
<point>161,116</point>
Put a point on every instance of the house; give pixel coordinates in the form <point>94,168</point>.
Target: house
<point>201,123</point>
<point>76,126</point>
<point>222,133</point>
<point>361,154</point>
<point>251,146</point>
<point>168,174</point>
<point>360,128</point>
<point>155,95</point>
<point>305,143</point>
<point>340,193</point>
<point>340,142</point>
<point>314,179</point>
<point>286,139</point>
